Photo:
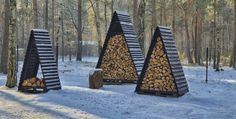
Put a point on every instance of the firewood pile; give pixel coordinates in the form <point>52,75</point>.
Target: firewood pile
<point>158,76</point>
<point>33,82</point>
<point>117,62</point>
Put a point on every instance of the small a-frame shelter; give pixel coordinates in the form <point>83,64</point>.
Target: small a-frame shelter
<point>162,73</point>
<point>121,58</point>
<point>39,52</point>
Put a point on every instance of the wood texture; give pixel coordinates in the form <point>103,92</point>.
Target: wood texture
<point>33,82</point>
<point>158,76</point>
<point>117,62</point>
<point>95,79</point>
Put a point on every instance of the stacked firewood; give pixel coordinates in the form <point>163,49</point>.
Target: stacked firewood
<point>158,75</point>
<point>117,62</point>
<point>33,82</point>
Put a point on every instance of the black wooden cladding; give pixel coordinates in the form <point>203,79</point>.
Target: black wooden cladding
<point>39,52</point>
<point>170,50</point>
<point>121,25</point>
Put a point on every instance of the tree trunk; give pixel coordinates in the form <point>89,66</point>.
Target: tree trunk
<point>97,19</point>
<point>228,38</point>
<point>62,36</point>
<point>46,14</point>
<point>105,14</point>
<point>164,12</point>
<point>211,42</point>
<point>188,53</point>
<point>35,9</point>
<point>218,52</point>
<point>234,46</point>
<point>79,32</point>
<point>57,42</point>
<point>161,13</point>
<point>199,43</point>
<point>53,23</point>
<point>154,13</point>
<point>112,7</point>
<point>98,27</point>
<point>135,15</point>
<point>173,17</point>
<point>196,38</point>
<point>141,23</point>
<point>27,19</point>
<point>11,77</point>
<point>214,37</point>
<point>4,56</point>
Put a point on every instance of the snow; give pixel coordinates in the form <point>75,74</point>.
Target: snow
<point>214,100</point>
<point>91,72</point>
<point>40,30</point>
<point>126,23</point>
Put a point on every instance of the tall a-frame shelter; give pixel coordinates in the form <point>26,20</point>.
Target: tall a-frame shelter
<point>162,73</point>
<point>39,52</point>
<point>121,58</point>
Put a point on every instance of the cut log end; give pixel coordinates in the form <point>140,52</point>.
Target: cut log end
<point>33,82</point>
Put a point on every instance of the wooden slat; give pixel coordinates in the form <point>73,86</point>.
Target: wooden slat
<point>51,77</point>
<point>54,87</point>
<point>52,83</point>
<point>178,74</point>
<point>169,41</point>
<point>41,37</point>
<point>44,45</point>
<point>49,64</point>
<point>168,38</point>
<point>45,52</point>
<point>165,30</point>
<point>50,71</point>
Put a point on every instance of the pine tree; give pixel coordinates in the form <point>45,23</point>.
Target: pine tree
<point>79,32</point>
<point>234,51</point>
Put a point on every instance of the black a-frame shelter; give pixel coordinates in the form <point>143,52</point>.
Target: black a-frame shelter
<point>162,73</point>
<point>39,52</point>
<point>121,33</point>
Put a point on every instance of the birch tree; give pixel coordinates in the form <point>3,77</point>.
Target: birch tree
<point>11,77</point>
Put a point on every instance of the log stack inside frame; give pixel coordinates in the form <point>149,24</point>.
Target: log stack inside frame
<point>121,58</point>
<point>158,74</point>
<point>117,62</point>
<point>162,73</point>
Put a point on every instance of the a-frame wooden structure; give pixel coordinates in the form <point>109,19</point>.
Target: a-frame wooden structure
<point>121,36</point>
<point>39,52</point>
<point>162,73</point>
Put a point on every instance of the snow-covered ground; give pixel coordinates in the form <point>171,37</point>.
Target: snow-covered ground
<point>215,100</point>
